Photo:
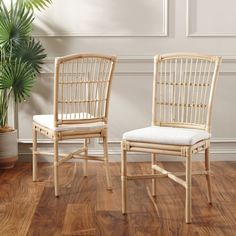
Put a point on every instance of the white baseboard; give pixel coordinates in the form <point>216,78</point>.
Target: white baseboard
<point>114,156</point>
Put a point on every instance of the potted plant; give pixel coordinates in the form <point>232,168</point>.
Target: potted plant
<point>21,57</point>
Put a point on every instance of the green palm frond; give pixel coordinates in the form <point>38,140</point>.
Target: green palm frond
<point>21,56</point>
<point>15,24</point>
<point>19,77</point>
<point>38,4</point>
<point>30,51</point>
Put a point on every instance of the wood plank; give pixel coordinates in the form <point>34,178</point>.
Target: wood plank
<point>50,212</point>
<point>19,197</point>
<point>79,220</point>
<point>108,200</point>
<point>80,216</point>
<point>112,223</point>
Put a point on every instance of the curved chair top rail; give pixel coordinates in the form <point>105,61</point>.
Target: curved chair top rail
<point>169,56</point>
<point>82,87</point>
<point>183,89</point>
<point>84,55</point>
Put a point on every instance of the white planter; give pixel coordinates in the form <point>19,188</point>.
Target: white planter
<point>8,149</point>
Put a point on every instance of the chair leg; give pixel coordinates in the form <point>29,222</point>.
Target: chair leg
<point>154,180</point>
<point>188,201</point>
<point>34,137</point>
<point>106,162</point>
<point>56,179</point>
<point>208,176</point>
<point>124,179</point>
<point>86,154</point>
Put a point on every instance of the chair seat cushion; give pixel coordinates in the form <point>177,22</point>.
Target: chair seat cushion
<point>48,122</point>
<point>166,135</point>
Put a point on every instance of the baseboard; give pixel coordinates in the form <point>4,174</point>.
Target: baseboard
<point>114,156</point>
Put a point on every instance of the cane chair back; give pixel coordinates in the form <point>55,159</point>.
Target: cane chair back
<point>82,88</point>
<point>183,89</point>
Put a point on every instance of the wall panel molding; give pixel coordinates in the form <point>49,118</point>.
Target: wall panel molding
<point>191,32</point>
<point>64,33</point>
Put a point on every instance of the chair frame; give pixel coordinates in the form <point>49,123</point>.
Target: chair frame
<point>57,136</point>
<point>179,150</point>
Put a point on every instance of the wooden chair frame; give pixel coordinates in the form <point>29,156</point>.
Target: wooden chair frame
<point>183,121</point>
<point>102,71</point>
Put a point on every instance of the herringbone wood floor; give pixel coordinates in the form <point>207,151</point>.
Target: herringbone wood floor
<point>86,208</point>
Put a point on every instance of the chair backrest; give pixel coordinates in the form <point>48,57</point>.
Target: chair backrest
<point>183,89</point>
<point>82,86</point>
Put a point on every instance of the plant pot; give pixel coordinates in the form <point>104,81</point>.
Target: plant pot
<point>8,149</point>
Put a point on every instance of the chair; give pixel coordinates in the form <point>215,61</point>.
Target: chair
<point>183,89</point>
<point>82,87</point>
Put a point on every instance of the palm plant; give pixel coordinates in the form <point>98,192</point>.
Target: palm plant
<point>21,56</point>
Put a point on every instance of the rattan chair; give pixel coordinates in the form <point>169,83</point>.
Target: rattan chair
<point>82,87</point>
<point>183,89</point>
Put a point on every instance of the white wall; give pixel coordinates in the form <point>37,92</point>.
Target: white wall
<point>136,30</point>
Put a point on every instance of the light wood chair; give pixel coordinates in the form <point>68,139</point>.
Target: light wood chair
<point>183,89</point>
<point>82,86</point>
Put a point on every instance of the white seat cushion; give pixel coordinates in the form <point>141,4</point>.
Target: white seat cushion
<point>48,122</point>
<point>166,135</point>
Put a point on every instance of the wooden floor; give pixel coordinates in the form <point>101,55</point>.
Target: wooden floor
<point>86,208</point>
